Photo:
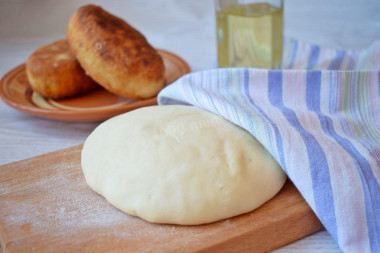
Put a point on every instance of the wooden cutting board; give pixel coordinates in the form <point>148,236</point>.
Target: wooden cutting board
<point>46,206</point>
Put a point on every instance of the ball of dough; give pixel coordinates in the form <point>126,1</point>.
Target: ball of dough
<point>114,54</point>
<point>179,165</point>
<point>53,72</point>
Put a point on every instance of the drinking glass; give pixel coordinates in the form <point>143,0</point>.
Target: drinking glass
<point>249,33</point>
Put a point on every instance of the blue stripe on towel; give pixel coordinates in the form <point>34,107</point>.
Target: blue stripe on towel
<point>366,175</point>
<point>294,54</point>
<point>323,196</point>
<point>313,57</point>
<point>280,149</point>
<point>336,63</point>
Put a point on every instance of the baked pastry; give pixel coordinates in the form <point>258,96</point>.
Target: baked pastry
<point>53,72</point>
<point>114,54</point>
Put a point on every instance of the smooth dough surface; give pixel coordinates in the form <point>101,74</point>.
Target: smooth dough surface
<point>179,165</point>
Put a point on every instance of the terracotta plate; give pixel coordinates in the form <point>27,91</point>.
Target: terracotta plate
<point>98,105</point>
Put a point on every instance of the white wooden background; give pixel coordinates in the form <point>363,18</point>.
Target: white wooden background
<point>185,27</point>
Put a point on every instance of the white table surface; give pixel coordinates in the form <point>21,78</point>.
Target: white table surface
<point>186,28</point>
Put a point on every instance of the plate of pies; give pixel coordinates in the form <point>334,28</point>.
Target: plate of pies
<point>97,105</point>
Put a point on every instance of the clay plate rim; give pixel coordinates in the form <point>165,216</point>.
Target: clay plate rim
<point>175,68</point>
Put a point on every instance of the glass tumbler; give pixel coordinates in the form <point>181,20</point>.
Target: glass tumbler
<point>249,33</point>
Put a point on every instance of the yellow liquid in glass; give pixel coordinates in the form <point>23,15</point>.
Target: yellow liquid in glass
<point>250,36</point>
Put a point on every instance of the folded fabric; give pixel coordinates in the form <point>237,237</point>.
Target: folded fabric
<point>301,55</point>
<point>322,126</point>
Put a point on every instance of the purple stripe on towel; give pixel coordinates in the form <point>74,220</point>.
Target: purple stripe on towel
<point>323,195</point>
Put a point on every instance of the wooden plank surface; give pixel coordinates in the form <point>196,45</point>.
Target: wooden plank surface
<point>46,206</point>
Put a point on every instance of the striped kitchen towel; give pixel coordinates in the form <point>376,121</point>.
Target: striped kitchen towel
<point>322,126</point>
<point>301,55</point>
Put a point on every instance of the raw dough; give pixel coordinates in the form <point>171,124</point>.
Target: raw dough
<point>180,165</point>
